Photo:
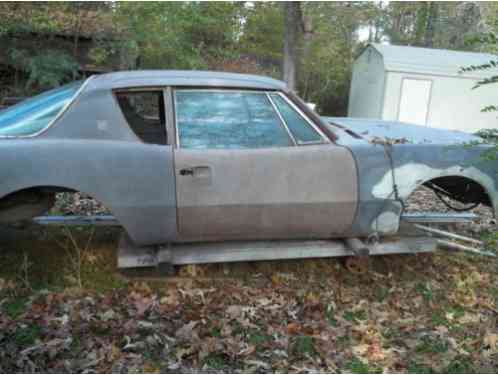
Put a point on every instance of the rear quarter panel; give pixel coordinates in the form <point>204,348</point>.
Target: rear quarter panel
<point>134,180</point>
<point>90,148</point>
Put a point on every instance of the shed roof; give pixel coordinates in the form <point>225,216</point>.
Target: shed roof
<point>433,61</point>
<point>185,78</point>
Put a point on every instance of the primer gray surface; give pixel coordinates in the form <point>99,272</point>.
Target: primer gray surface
<point>427,154</point>
<point>91,149</point>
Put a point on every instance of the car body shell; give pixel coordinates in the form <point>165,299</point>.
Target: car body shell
<point>355,188</point>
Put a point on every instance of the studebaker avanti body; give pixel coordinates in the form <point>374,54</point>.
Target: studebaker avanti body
<point>181,156</point>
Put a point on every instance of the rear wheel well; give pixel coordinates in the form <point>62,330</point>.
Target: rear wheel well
<point>27,203</point>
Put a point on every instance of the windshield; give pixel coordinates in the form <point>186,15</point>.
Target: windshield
<point>35,114</point>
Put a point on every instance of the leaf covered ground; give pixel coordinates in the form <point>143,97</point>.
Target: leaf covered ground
<point>409,313</point>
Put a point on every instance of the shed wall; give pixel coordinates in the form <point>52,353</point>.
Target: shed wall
<point>367,84</point>
<point>453,103</point>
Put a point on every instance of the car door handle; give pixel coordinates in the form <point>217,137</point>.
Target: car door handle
<point>187,172</point>
<point>202,172</point>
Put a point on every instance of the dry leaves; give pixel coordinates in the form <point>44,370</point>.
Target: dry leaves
<point>400,319</point>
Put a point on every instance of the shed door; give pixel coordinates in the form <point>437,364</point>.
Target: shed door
<point>414,101</point>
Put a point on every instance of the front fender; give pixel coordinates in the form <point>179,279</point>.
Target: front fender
<point>417,164</point>
<point>413,164</point>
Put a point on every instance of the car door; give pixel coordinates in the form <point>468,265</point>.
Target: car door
<point>249,165</point>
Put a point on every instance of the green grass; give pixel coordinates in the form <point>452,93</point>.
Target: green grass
<point>417,368</point>
<point>425,291</point>
<point>438,319</point>
<point>216,332</point>
<point>27,336</point>
<point>15,307</point>
<point>381,293</point>
<point>50,265</point>
<point>429,345</point>
<point>330,316</point>
<point>304,346</point>
<point>355,316</point>
<point>460,366</point>
<point>215,361</point>
<point>259,338</point>
<point>356,366</point>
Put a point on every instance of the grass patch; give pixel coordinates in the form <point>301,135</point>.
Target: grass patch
<point>330,316</point>
<point>27,335</point>
<point>50,263</point>
<point>425,291</point>
<point>259,338</point>
<point>216,332</point>
<point>15,307</point>
<point>460,366</point>
<point>215,361</point>
<point>381,293</point>
<point>355,316</point>
<point>431,345</point>
<point>438,319</point>
<point>356,366</point>
<point>304,346</point>
<point>417,368</point>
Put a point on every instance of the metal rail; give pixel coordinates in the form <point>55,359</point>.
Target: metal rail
<point>438,218</point>
<point>72,220</point>
<point>109,220</point>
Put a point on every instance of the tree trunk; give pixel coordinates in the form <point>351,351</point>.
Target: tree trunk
<point>292,23</point>
<point>308,34</point>
<point>431,21</point>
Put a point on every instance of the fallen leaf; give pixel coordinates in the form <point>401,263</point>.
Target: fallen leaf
<point>293,328</point>
<point>186,332</point>
<point>234,311</point>
<point>490,340</point>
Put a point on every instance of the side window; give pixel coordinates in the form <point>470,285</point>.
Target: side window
<point>227,119</point>
<point>144,112</point>
<point>302,131</point>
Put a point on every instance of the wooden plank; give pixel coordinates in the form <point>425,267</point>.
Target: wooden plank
<point>405,245</point>
<point>249,251</point>
<point>131,256</point>
<point>242,251</point>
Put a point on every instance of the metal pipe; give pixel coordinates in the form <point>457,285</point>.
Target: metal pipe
<point>448,234</point>
<point>456,246</point>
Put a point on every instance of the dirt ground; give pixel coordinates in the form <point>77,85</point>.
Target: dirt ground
<point>65,308</point>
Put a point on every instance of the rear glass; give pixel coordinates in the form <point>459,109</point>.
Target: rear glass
<point>35,114</point>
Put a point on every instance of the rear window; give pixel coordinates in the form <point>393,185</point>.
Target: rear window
<point>144,112</point>
<point>35,114</point>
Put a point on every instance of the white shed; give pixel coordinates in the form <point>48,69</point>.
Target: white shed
<point>422,86</point>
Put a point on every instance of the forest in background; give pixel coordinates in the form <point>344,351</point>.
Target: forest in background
<point>250,37</point>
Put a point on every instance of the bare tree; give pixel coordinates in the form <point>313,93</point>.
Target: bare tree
<point>293,21</point>
<point>432,18</point>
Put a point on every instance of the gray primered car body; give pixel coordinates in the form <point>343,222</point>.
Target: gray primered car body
<point>90,148</point>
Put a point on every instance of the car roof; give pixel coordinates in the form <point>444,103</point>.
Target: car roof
<point>189,78</point>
